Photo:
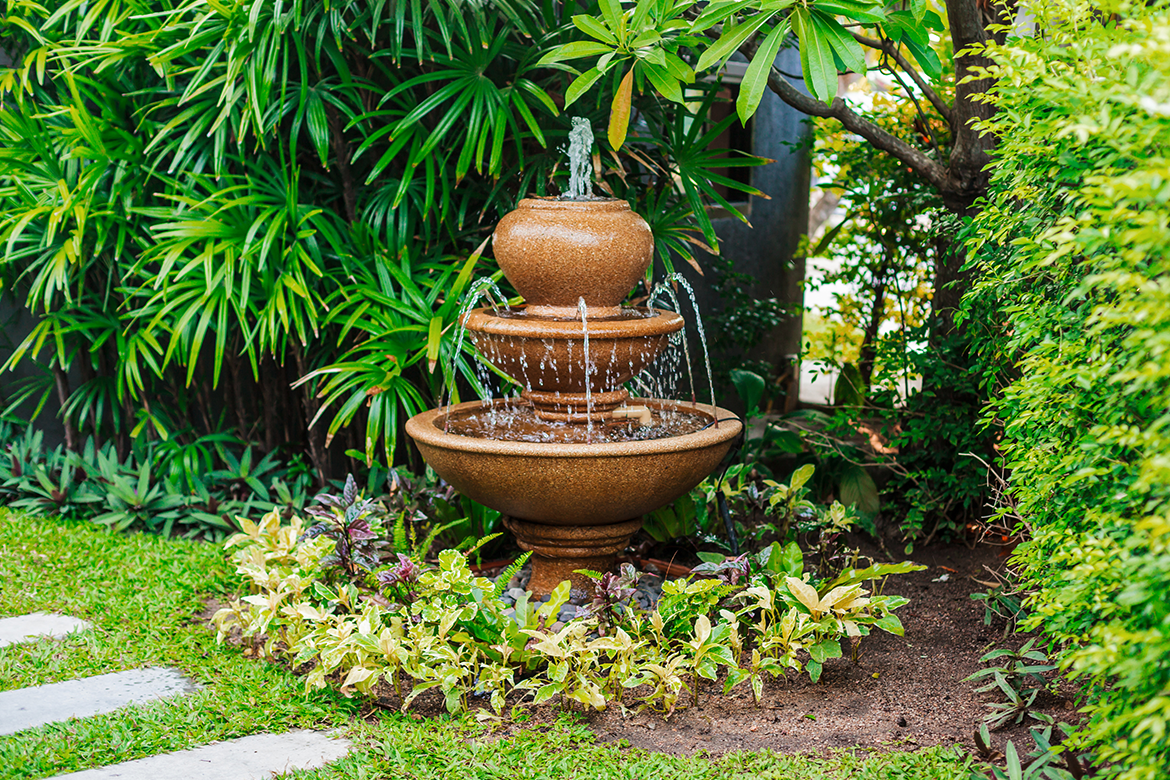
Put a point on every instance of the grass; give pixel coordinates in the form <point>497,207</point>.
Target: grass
<point>144,596</point>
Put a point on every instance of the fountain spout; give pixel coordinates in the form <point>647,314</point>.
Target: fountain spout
<point>580,160</point>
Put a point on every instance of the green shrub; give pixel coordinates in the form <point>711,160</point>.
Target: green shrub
<point>1072,308</point>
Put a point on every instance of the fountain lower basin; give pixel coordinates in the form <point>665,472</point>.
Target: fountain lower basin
<point>573,505</point>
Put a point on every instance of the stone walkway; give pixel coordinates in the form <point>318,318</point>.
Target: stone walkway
<point>249,758</point>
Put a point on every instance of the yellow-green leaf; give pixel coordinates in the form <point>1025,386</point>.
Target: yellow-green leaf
<point>580,85</point>
<point>619,115</point>
<point>434,339</point>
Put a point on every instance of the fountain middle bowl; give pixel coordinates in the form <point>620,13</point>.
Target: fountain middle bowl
<point>548,354</point>
<point>574,484</point>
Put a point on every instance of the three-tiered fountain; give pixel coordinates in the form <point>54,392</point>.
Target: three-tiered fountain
<point>574,462</point>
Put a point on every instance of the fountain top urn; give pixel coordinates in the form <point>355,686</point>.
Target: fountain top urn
<point>556,252</point>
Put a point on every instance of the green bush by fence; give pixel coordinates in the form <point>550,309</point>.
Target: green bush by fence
<point>1072,317</point>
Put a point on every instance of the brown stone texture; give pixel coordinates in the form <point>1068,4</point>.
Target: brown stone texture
<point>557,251</point>
<point>549,355</point>
<point>560,552</point>
<point>573,484</point>
<point>551,485</point>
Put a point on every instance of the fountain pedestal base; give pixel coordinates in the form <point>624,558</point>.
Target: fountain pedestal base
<point>558,551</point>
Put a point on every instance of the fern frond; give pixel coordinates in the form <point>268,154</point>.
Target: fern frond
<point>507,574</point>
<point>399,533</point>
<point>477,543</point>
<point>419,551</point>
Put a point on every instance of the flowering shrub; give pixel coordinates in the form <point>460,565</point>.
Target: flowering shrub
<point>418,627</point>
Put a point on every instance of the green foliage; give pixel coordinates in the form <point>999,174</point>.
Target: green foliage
<point>1049,759</point>
<point>1073,314</point>
<point>900,383</point>
<point>418,627</point>
<point>1018,678</point>
<point>881,255</point>
<point>53,565</point>
<point>652,41</point>
<point>744,320</point>
<point>204,203</point>
<point>155,488</point>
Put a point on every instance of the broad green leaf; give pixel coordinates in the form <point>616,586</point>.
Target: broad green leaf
<point>612,11</point>
<point>662,81</point>
<point>816,57</point>
<point>755,80</point>
<point>574,50</point>
<point>730,41</point>
<point>750,388</point>
<point>858,11</point>
<point>858,489</point>
<point>848,49</point>
<point>714,13</point>
<point>434,342</point>
<point>580,85</point>
<point>804,593</point>
<point>801,476</point>
<point>791,561</point>
<point>594,29</point>
<point>926,57</point>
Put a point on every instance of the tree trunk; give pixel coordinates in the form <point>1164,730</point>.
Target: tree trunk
<point>268,380</point>
<point>868,353</point>
<point>63,392</point>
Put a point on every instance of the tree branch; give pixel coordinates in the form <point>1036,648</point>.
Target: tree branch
<point>939,104</point>
<point>931,170</point>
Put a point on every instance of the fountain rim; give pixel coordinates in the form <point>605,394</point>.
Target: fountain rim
<point>424,428</point>
<point>555,202</point>
<point>485,320</point>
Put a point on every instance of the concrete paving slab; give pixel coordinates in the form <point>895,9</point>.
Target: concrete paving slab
<point>248,758</point>
<point>26,708</point>
<point>28,628</point>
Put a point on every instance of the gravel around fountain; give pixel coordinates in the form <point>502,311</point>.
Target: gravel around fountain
<point>646,595</point>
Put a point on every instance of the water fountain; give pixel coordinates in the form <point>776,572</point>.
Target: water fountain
<point>574,463</point>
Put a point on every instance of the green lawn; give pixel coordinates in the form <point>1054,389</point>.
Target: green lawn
<point>143,595</point>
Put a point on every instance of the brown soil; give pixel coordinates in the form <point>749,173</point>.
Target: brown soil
<point>903,691</point>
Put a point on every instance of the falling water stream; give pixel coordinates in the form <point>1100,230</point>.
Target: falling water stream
<point>517,421</point>
<point>484,286</point>
<point>663,286</point>
<point>581,307</point>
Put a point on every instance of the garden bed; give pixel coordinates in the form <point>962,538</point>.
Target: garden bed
<point>904,693</point>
